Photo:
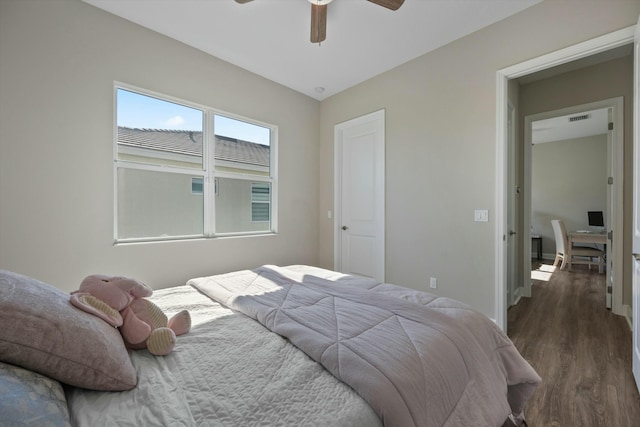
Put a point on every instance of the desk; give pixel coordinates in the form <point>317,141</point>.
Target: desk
<point>594,238</point>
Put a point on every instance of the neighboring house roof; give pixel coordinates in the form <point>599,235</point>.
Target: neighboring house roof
<point>190,143</point>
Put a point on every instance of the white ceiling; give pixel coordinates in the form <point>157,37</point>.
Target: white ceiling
<point>561,128</point>
<point>271,37</point>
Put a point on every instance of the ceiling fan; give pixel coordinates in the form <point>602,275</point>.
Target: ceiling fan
<point>319,15</point>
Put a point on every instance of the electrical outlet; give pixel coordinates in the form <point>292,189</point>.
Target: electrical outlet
<point>433,283</point>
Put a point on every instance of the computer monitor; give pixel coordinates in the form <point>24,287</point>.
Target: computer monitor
<point>596,219</point>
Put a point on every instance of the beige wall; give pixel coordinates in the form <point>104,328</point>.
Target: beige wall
<point>568,179</point>
<point>596,83</point>
<point>441,144</point>
<point>58,62</point>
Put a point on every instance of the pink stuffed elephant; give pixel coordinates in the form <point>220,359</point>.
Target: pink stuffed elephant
<point>121,303</point>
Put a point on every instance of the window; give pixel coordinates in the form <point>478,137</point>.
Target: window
<point>260,201</point>
<point>184,170</point>
<point>197,186</point>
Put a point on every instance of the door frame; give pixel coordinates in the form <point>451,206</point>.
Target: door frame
<point>581,50</point>
<point>379,118</point>
<point>514,291</point>
<point>635,293</point>
<point>615,216</point>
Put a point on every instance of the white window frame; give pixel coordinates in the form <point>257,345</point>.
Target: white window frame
<point>208,172</point>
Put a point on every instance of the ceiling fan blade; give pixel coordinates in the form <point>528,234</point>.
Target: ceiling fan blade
<point>389,4</point>
<point>318,23</point>
<point>243,1</point>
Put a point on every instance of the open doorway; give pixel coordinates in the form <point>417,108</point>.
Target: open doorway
<point>576,168</point>
<point>586,51</point>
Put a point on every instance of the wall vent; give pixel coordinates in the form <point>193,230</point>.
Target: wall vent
<point>580,117</point>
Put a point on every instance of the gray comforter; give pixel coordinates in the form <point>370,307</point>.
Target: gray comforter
<point>417,359</point>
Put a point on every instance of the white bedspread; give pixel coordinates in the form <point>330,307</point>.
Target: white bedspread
<point>228,371</point>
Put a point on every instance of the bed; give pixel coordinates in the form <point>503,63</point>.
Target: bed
<point>287,346</point>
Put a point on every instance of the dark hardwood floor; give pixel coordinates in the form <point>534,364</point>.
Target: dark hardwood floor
<point>581,350</point>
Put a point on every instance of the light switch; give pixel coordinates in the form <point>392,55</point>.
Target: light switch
<point>481,215</point>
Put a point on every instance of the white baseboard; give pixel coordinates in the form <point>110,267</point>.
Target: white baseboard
<point>517,295</point>
<point>548,257</point>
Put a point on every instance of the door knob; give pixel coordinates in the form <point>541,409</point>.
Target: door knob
<point>511,232</point>
<point>344,227</point>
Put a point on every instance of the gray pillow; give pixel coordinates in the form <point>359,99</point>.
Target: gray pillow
<point>41,331</point>
<point>29,399</point>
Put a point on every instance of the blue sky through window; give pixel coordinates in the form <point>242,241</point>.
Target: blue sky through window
<point>141,111</point>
